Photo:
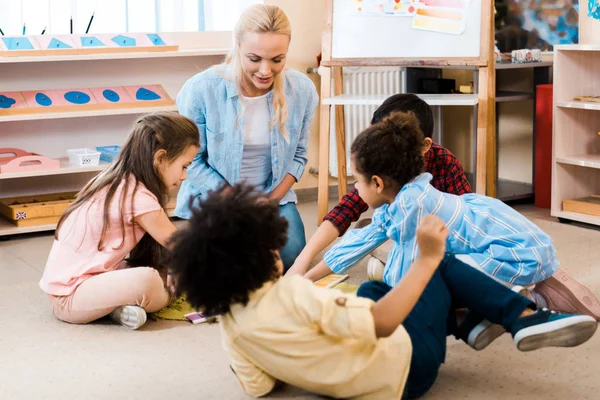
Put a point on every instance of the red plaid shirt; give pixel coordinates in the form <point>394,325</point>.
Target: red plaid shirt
<point>448,176</point>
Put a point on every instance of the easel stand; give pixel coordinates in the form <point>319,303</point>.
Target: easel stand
<point>332,80</point>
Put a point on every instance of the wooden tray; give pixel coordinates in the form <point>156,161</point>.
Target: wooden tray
<point>588,205</point>
<point>36,210</point>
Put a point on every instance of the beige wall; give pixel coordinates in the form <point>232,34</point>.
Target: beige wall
<point>589,29</point>
<point>307,20</point>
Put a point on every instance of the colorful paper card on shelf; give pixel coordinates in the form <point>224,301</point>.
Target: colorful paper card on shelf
<point>443,16</point>
<point>43,99</point>
<point>124,41</point>
<point>91,41</point>
<point>147,93</point>
<point>111,95</point>
<point>11,100</point>
<point>18,43</point>
<point>61,42</point>
<point>76,97</point>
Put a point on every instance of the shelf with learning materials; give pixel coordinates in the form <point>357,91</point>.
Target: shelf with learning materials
<point>576,139</point>
<point>51,132</point>
<point>8,229</point>
<point>376,100</point>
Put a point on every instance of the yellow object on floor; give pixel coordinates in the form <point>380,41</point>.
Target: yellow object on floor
<point>175,311</point>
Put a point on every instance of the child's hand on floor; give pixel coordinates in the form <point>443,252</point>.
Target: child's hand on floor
<point>431,237</point>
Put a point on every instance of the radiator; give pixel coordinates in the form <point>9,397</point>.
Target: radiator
<point>362,81</point>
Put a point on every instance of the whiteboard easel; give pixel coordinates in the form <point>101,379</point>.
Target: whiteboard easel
<point>356,40</point>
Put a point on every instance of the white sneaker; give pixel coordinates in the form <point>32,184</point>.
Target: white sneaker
<point>375,269</point>
<point>131,317</point>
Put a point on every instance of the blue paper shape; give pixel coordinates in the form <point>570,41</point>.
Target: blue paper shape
<point>111,95</point>
<point>18,43</point>
<point>91,41</point>
<point>43,100</point>
<point>57,44</point>
<point>156,39</point>
<point>6,102</point>
<point>594,9</point>
<point>146,94</point>
<point>124,41</point>
<point>76,97</point>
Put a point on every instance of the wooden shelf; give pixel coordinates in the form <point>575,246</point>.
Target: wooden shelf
<point>574,216</point>
<point>7,228</point>
<point>505,96</point>
<point>576,47</point>
<point>512,190</point>
<point>580,105</point>
<point>116,56</point>
<point>86,113</point>
<point>65,168</point>
<point>431,99</point>
<point>586,160</point>
<point>512,65</point>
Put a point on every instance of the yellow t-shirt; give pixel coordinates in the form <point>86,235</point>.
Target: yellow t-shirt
<point>318,339</point>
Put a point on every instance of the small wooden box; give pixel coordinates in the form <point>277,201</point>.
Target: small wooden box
<point>36,210</point>
<point>588,205</point>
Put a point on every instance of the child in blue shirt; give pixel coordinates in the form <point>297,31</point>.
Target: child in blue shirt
<point>502,242</point>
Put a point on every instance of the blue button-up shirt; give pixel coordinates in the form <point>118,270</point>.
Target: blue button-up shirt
<point>213,102</point>
<point>504,243</point>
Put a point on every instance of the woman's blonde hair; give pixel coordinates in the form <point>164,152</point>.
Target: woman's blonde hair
<point>261,18</point>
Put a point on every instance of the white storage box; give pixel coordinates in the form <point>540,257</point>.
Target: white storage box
<point>84,157</point>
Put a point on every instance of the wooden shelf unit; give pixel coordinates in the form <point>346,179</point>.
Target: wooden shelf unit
<point>575,139</point>
<point>51,134</point>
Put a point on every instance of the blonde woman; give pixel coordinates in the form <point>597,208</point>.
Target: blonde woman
<point>254,118</point>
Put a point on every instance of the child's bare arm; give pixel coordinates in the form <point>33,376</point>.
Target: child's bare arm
<point>319,271</point>
<point>394,307</point>
<point>158,225</point>
<point>323,237</point>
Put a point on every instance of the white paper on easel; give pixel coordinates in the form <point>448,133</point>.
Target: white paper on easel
<point>443,16</point>
<point>379,36</point>
<point>385,8</point>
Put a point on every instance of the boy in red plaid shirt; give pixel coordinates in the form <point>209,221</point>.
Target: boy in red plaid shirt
<point>559,292</point>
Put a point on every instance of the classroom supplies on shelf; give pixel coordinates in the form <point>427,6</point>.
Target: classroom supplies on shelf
<point>23,161</point>
<point>77,99</point>
<point>108,153</point>
<point>83,156</point>
<point>50,45</point>
<point>36,210</point>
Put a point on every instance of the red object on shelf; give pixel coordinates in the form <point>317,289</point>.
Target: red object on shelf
<point>543,146</point>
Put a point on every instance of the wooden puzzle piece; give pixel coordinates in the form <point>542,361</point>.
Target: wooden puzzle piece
<point>146,93</point>
<point>77,96</point>
<point>124,41</point>
<point>11,100</point>
<point>111,95</point>
<point>43,98</point>
<point>18,43</point>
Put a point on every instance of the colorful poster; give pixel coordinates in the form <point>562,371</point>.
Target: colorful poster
<point>594,9</point>
<point>537,24</point>
<point>443,16</point>
<point>391,8</point>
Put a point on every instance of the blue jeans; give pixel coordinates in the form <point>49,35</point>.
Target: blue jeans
<point>296,237</point>
<point>427,324</point>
